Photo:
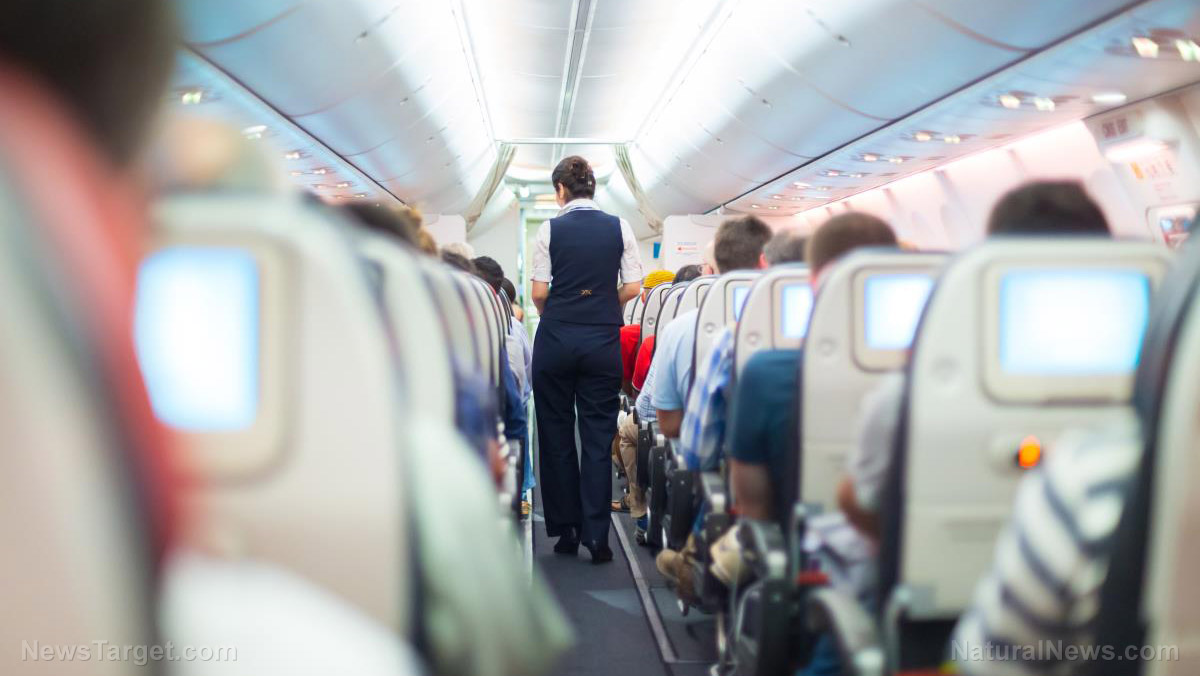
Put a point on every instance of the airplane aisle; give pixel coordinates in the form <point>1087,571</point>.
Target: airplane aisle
<point>607,605</point>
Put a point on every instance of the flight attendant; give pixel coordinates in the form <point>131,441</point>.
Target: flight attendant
<point>585,267</point>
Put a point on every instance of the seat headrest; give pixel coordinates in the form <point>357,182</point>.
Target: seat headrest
<point>694,294</point>
<point>265,349</point>
<point>862,325</point>
<point>1021,340</point>
<point>724,296</point>
<point>774,313</point>
<point>670,306</point>
<point>652,309</point>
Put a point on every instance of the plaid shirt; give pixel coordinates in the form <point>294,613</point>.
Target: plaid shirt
<point>702,434</point>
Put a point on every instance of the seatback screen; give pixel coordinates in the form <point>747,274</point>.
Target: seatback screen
<point>739,300</point>
<point>796,303</point>
<point>197,335</point>
<point>1072,322</point>
<point>892,307</point>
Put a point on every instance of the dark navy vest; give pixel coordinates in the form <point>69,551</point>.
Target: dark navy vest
<point>585,262</point>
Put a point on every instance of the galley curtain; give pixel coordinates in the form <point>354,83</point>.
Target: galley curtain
<point>504,157</point>
<point>621,152</point>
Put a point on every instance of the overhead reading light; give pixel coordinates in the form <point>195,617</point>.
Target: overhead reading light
<point>952,139</point>
<point>293,155</point>
<point>800,184</point>
<point>896,160</point>
<point>755,206</point>
<point>1188,50</point>
<point>343,184</point>
<point>296,173</point>
<point>191,97</point>
<point>832,173</point>
<point>320,171</point>
<point>1147,48</point>
<point>254,131</point>
<point>869,157</point>
<point>776,197</point>
<point>523,192</point>
<point>1132,150</point>
<point>1043,104</point>
<point>1109,98</point>
<point>319,186</point>
<point>1010,101</point>
<point>856,174</point>
<point>359,194</point>
<point>772,207</point>
<point>923,136</point>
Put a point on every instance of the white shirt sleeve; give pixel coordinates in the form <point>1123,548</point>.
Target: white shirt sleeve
<point>541,254</point>
<point>631,258</point>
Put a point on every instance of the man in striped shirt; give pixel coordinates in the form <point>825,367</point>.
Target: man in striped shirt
<point>1052,558</point>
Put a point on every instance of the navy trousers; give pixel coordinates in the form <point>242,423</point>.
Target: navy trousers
<point>576,368</point>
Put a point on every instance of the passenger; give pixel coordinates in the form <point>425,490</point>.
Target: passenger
<point>520,355</point>
<point>709,264</point>
<point>383,220</point>
<point>425,241</point>
<point>511,292</point>
<point>461,248</point>
<point>625,443</point>
<point>1052,558</point>
<point>687,273</point>
<point>631,334</point>
<point>738,245</point>
<point>456,260</point>
<point>1041,208</point>
<point>593,261</point>
<point>646,352</point>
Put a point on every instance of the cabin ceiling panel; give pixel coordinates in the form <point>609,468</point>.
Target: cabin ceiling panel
<point>1024,24</point>
<point>213,20</point>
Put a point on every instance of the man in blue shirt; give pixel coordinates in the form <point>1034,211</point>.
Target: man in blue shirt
<point>738,245</point>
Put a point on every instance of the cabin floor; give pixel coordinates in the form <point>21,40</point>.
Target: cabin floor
<point>626,619</point>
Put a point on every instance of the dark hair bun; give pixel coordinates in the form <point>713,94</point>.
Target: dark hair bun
<point>575,174</point>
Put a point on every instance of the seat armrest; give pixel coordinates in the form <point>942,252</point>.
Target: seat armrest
<point>712,485</point>
<point>852,628</point>
<point>765,548</point>
<point>673,452</point>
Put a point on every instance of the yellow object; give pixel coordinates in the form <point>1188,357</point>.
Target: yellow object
<point>658,277</point>
<point>1029,453</point>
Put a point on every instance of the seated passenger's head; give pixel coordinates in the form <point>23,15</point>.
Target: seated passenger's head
<point>108,61</point>
<point>739,244</point>
<point>425,241</point>
<point>461,248</point>
<point>687,273</point>
<point>654,279</point>
<point>787,246</point>
<point>489,271</point>
<point>573,179</point>
<point>383,220</point>
<point>709,266</point>
<point>1047,208</point>
<point>457,261</point>
<point>509,290</point>
<point>842,234</point>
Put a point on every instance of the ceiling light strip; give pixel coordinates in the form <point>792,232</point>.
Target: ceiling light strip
<point>583,12</point>
<point>712,28</point>
<point>468,48</point>
<point>237,88</point>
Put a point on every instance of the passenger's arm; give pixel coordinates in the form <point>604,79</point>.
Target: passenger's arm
<point>751,489</point>
<point>629,291</point>
<point>669,422</point>
<point>867,522</point>
<point>539,291</point>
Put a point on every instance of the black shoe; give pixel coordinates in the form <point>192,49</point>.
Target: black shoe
<point>600,551</point>
<point>568,543</point>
